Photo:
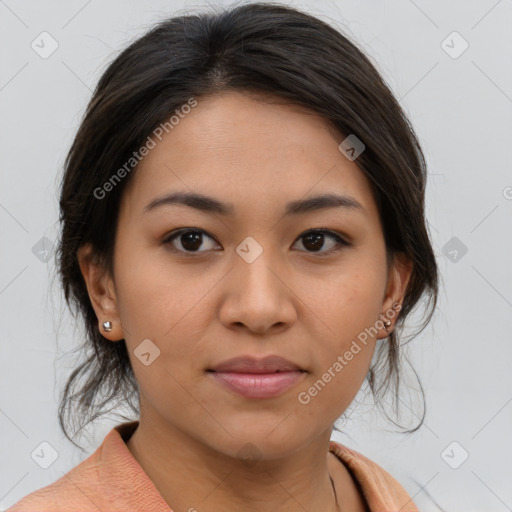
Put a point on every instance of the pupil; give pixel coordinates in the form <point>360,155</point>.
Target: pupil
<point>317,240</point>
<point>191,241</point>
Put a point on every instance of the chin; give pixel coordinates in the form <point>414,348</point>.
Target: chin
<point>267,437</point>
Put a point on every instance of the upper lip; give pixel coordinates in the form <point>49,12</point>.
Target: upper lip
<point>249,364</point>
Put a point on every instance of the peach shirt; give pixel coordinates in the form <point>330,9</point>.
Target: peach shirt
<point>111,480</point>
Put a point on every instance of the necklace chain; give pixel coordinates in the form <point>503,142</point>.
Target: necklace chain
<point>336,506</point>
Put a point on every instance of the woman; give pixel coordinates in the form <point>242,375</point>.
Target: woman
<point>243,233</point>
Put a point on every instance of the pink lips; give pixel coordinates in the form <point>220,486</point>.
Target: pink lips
<point>253,378</point>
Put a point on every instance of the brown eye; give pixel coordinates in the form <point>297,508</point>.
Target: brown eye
<point>188,240</point>
<point>317,239</point>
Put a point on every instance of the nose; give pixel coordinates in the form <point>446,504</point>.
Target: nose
<point>258,296</point>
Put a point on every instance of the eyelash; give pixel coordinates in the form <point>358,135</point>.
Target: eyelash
<point>341,243</point>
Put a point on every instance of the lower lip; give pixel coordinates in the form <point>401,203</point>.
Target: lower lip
<point>258,385</point>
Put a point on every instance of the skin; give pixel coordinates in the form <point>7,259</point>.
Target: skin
<point>305,305</point>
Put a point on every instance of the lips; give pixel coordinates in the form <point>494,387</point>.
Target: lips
<point>257,378</point>
<point>247,364</point>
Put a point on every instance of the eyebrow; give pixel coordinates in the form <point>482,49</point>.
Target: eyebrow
<point>211,205</point>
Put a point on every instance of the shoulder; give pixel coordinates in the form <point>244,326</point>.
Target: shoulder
<point>75,490</point>
<point>378,486</point>
<point>108,480</point>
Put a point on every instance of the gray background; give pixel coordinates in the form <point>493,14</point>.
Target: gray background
<point>461,107</point>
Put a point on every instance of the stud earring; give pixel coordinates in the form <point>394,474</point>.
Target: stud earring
<point>107,326</point>
<point>387,323</point>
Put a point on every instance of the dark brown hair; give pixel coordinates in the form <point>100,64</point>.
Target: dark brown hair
<point>258,47</point>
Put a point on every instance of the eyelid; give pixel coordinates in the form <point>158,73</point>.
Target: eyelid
<point>340,239</point>
<point>169,237</point>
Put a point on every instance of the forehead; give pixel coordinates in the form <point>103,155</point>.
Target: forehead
<point>249,150</point>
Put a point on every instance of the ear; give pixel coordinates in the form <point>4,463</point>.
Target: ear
<point>101,289</point>
<point>399,275</point>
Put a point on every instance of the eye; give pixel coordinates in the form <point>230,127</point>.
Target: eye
<point>314,240</point>
<point>189,240</point>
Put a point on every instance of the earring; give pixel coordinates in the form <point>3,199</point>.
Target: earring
<point>387,323</point>
<point>107,326</point>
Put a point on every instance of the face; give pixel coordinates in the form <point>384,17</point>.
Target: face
<point>196,286</point>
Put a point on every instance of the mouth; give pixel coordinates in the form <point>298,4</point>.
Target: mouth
<point>257,378</point>
<point>250,364</point>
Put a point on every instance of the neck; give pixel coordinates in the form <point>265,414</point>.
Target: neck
<point>193,477</point>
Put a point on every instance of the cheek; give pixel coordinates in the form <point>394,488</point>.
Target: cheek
<point>343,363</point>
<point>349,308</point>
<point>349,304</point>
<point>173,310</point>
<point>154,297</point>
